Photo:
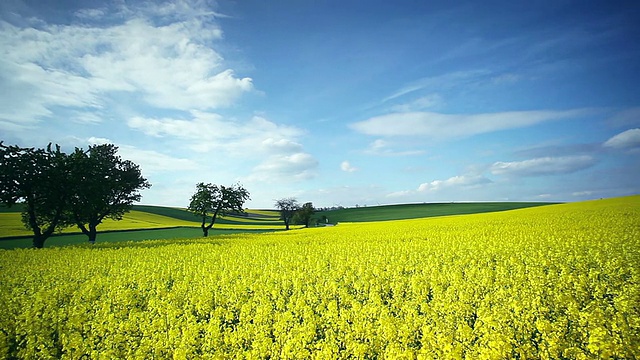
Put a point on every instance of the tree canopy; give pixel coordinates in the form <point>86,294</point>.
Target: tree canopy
<point>287,208</point>
<point>105,186</point>
<point>304,213</point>
<point>216,200</point>
<point>60,190</point>
<point>39,179</point>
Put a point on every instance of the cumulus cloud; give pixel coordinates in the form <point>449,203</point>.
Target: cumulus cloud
<point>280,145</point>
<point>150,161</point>
<point>460,181</point>
<point>276,168</point>
<point>543,166</point>
<point>438,125</point>
<point>272,145</point>
<point>279,156</point>
<point>209,131</point>
<point>169,63</point>
<point>347,167</point>
<point>629,139</point>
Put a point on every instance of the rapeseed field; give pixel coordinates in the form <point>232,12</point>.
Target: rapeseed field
<point>551,282</point>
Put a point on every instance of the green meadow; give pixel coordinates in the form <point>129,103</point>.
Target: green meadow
<point>414,211</point>
<point>147,222</point>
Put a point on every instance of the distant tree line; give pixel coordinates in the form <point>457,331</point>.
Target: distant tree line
<point>210,201</point>
<point>292,212</point>
<point>59,190</point>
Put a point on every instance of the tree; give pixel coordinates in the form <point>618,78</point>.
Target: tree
<point>287,208</point>
<point>303,215</point>
<point>214,200</point>
<point>39,179</point>
<point>104,186</point>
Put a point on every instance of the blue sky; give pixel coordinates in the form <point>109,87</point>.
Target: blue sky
<point>336,102</point>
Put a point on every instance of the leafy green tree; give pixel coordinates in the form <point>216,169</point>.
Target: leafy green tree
<point>304,214</point>
<point>104,186</point>
<point>213,200</point>
<point>39,179</point>
<point>288,208</point>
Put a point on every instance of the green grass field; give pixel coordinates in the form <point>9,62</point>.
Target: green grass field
<point>256,217</point>
<point>122,236</point>
<point>146,222</point>
<point>414,211</point>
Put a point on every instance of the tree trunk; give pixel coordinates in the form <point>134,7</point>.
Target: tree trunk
<point>205,229</point>
<point>93,234</point>
<point>38,236</point>
<point>38,241</point>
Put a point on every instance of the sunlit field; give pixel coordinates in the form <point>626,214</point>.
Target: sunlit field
<point>550,282</point>
<point>11,223</point>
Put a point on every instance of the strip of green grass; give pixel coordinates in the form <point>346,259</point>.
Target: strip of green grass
<point>118,236</point>
<point>413,211</point>
<point>182,214</point>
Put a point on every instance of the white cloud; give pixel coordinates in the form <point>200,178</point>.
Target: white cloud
<point>169,65</point>
<point>172,65</point>
<point>278,168</point>
<point>206,132</point>
<point>150,161</point>
<point>35,91</point>
<point>90,14</point>
<point>448,80</point>
<point>421,103</point>
<point>625,140</point>
<point>460,181</point>
<point>438,126</point>
<point>347,167</point>
<point>381,147</point>
<point>400,194</point>
<point>84,117</point>
<point>272,145</point>
<point>543,166</point>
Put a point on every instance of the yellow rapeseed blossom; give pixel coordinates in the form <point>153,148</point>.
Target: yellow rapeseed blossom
<point>559,281</point>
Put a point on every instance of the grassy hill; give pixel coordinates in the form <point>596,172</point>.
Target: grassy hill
<point>144,222</point>
<point>254,217</point>
<point>413,211</point>
<point>159,222</point>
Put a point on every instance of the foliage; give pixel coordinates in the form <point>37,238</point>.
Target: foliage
<point>38,178</point>
<point>56,190</point>
<point>132,225</point>
<point>213,200</point>
<point>288,208</point>
<point>304,214</point>
<point>104,186</point>
<point>560,281</point>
